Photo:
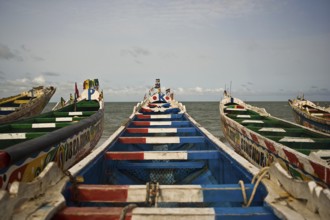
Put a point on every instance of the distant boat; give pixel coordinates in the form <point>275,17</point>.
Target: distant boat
<point>64,136</point>
<point>162,166</point>
<point>311,115</point>
<point>25,104</point>
<point>262,139</point>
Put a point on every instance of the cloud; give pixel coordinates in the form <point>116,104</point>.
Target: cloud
<point>135,52</point>
<point>51,74</point>
<point>7,54</point>
<point>39,80</point>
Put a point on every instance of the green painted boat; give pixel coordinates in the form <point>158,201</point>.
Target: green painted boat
<point>262,139</point>
<point>65,136</point>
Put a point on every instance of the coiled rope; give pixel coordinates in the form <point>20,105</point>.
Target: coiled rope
<point>259,176</point>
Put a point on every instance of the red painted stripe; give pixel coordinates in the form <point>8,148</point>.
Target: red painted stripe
<point>145,110</point>
<point>137,130</point>
<point>254,138</point>
<point>101,193</point>
<point>270,146</point>
<point>124,155</point>
<point>132,140</point>
<point>319,170</point>
<point>293,159</point>
<point>4,159</point>
<point>95,213</point>
<point>141,123</point>
<point>143,116</point>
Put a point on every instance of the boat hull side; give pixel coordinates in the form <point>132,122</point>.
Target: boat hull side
<point>261,152</point>
<point>65,146</point>
<point>309,121</point>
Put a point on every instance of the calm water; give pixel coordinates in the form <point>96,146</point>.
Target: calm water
<point>205,113</point>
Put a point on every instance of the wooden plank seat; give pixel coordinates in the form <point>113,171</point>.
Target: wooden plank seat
<point>161,140</point>
<point>162,123</point>
<point>162,155</point>
<point>58,119</point>
<point>40,125</point>
<point>114,213</point>
<point>160,116</point>
<point>169,193</point>
<point>23,136</point>
<point>76,113</point>
<point>160,130</point>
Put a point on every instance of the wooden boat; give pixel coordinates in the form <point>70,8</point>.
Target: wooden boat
<point>25,104</point>
<point>311,115</point>
<point>157,166</point>
<point>262,139</point>
<point>65,136</point>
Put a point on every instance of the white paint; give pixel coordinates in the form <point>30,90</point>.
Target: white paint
<point>64,119</point>
<point>160,116</point>
<point>173,213</point>
<point>166,155</point>
<point>160,123</point>
<point>75,113</point>
<point>7,136</point>
<point>7,108</point>
<point>272,129</point>
<point>297,139</point>
<point>162,130</point>
<point>243,116</point>
<point>44,125</point>
<point>162,140</point>
<point>253,121</point>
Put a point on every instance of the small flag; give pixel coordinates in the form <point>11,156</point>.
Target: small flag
<point>76,91</point>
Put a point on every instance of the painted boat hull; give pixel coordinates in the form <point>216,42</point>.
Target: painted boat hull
<point>65,136</point>
<point>310,120</point>
<point>263,151</point>
<point>190,170</point>
<point>29,109</point>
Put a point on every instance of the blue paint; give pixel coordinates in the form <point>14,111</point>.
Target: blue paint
<point>90,93</point>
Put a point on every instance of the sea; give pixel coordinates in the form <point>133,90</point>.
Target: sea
<point>205,113</point>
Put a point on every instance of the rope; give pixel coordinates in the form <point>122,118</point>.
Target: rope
<point>73,181</point>
<point>259,176</point>
<point>152,193</point>
<point>125,210</point>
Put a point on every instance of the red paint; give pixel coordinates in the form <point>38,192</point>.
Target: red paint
<point>244,132</point>
<point>254,138</point>
<point>167,98</point>
<point>4,159</point>
<point>132,140</point>
<point>124,155</point>
<point>17,174</point>
<point>293,159</point>
<point>143,116</point>
<point>137,130</point>
<point>95,213</point>
<point>102,193</point>
<point>319,170</point>
<point>270,146</point>
<point>141,123</point>
<point>154,97</point>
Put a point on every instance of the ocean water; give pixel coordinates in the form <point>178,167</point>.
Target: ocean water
<point>205,113</point>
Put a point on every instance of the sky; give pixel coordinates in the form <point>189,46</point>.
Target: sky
<point>260,50</point>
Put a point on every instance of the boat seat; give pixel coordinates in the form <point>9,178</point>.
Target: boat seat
<point>77,113</point>
<point>162,155</point>
<point>161,140</point>
<point>22,101</point>
<point>103,213</point>
<point>169,193</point>
<point>160,116</point>
<point>162,123</point>
<point>160,130</point>
<point>28,135</point>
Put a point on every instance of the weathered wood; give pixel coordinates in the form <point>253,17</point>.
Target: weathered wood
<point>23,199</point>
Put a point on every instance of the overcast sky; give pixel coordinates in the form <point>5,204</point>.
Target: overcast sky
<point>268,50</point>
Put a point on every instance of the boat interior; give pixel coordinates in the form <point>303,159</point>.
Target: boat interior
<point>163,161</point>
